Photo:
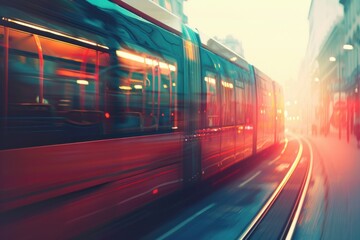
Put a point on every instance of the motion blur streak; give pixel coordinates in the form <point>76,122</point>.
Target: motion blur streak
<point>104,110</point>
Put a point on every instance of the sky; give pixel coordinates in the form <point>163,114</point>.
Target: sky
<point>274,33</point>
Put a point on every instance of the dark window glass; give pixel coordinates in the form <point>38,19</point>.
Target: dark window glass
<point>228,102</point>
<point>240,105</point>
<point>53,91</point>
<point>141,94</point>
<point>212,103</point>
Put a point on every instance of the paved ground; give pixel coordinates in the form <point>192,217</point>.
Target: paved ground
<point>332,208</point>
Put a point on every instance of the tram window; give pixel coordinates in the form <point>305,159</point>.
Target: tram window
<point>240,105</point>
<point>22,41</point>
<point>228,102</point>
<point>70,78</point>
<point>249,103</point>
<point>68,72</point>
<point>239,85</point>
<point>146,98</point>
<point>164,113</point>
<point>160,97</point>
<point>23,68</point>
<point>212,105</point>
<point>2,58</point>
<point>53,90</point>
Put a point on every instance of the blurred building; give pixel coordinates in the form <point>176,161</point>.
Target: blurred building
<point>349,46</point>
<point>232,43</point>
<point>336,68</point>
<point>166,13</point>
<point>349,56</point>
<point>328,73</point>
<point>323,16</point>
<point>174,6</point>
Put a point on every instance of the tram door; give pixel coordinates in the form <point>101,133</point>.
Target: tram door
<point>211,115</point>
<point>192,113</point>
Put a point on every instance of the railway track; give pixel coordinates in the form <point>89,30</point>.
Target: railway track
<point>278,217</point>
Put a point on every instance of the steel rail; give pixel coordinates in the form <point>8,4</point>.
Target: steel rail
<point>300,204</point>
<point>257,219</point>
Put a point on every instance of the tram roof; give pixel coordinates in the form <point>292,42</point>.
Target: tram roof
<point>153,13</point>
<point>157,14</point>
<point>222,50</point>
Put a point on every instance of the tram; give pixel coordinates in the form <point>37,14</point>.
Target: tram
<point>104,110</point>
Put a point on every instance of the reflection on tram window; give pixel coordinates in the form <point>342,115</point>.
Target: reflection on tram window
<point>53,90</point>
<point>141,94</point>
<point>64,92</point>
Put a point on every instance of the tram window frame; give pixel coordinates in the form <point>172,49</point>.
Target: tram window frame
<point>32,122</point>
<point>212,105</point>
<point>55,60</point>
<point>240,102</point>
<point>158,111</point>
<point>250,106</point>
<point>228,101</point>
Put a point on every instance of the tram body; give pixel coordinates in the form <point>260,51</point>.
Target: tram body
<point>103,111</point>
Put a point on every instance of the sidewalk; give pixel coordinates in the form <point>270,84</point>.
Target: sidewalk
<point>332,140</point>
<point>340,161</point>
<point>338,156</point>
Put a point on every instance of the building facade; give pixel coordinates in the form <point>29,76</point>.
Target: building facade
<point>328,84</point>
<point>350,70</point>
<point>233,43</point>
<point>338,73</point>
<point>166,13</point>
<point>322,17</point>
<point>176,7</point>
